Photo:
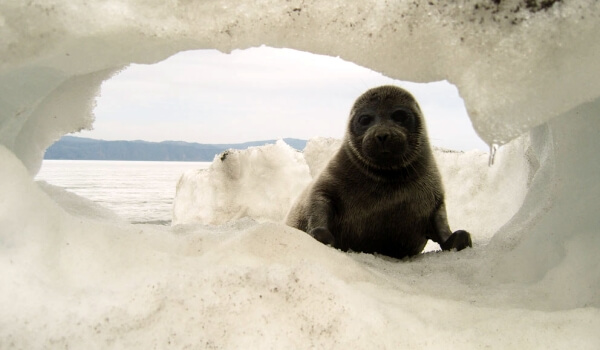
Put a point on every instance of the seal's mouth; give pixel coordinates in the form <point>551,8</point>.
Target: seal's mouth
<point>388,156</point>
<point>387,153</point>
<point>384,147</point>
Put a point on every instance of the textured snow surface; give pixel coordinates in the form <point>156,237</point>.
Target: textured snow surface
<point>74,277</point>
<point>260,183</point>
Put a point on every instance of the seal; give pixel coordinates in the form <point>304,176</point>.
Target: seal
<point>382,191</point>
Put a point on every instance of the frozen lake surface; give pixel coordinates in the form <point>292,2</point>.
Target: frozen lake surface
<point>139,192</point>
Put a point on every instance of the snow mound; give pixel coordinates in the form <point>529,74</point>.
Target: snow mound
<point>246,285</point>
<point>260,183</point>
<point>318,152</point>
<point>479,198</point>
<point>78,206</point>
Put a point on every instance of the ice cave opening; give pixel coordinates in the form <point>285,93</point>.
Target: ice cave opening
<point>206,96</point>
<point>259,94</point>
<point>527,74</point>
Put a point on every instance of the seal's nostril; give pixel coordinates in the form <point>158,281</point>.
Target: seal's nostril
<point>382,137</point>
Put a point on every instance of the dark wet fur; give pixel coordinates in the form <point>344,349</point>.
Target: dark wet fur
<point>382,191</point>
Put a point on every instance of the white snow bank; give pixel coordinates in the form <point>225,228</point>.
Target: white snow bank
<point>68,281</point>
<point>77,283</point>
<point>318,152</point>
<point>260,183</point>
<point>479,198</point>
<point>78,206</point>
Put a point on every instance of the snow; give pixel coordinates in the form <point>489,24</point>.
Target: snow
<point>77,278</point>
<point>260,183</point>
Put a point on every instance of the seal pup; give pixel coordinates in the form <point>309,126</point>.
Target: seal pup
<point>381,192</point>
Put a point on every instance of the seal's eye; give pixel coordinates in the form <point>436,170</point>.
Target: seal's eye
<point>401,116</point>
<point>365,120</point>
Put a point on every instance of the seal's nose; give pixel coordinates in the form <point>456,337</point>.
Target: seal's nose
<point>382,137</point>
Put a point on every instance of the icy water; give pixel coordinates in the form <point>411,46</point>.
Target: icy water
<point>141,192</point>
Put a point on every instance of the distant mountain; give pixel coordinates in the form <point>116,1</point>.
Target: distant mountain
<point>79,148</point>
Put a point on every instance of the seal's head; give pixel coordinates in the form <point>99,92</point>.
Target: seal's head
<point>386,128</point>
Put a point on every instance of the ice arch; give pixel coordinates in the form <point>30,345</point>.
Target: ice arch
<point>521,67</point>
<point>506,58</point>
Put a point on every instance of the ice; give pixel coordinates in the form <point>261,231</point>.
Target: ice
<point>78,206</point>
<point>260,183</point>
<point>318,152</point>
<point>526,73</point>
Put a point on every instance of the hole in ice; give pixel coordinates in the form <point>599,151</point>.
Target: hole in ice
<point>214,98</point>
<point>258,94</point>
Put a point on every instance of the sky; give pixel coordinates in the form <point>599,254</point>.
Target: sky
<point>206,96</point>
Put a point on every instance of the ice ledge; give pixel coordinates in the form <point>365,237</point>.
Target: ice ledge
<point>515,67</point>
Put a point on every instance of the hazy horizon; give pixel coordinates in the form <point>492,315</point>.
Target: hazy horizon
<point>208,143</point>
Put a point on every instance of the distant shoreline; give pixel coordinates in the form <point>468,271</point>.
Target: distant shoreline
<point>124,160</point>
<point>79,148</point>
